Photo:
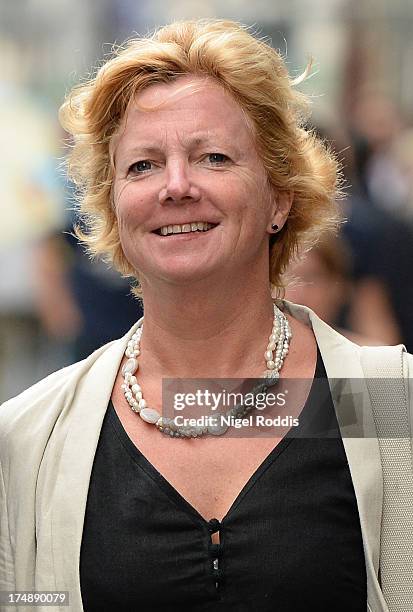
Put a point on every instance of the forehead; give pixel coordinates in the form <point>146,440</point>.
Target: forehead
<point>186,107</point>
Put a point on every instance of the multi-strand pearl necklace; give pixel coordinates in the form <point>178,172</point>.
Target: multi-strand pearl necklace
<point>277,349</point>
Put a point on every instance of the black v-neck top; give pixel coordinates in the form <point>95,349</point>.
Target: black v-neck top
<point>291,541</point>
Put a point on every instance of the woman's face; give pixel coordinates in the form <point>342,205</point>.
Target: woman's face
<point>190,164</point>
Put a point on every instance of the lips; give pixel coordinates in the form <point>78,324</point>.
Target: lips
<point>185,228</point>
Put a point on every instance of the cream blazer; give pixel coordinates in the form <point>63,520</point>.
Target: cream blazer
<point>48,439</point>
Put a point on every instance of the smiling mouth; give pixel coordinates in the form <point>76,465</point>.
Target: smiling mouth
<point>186,228</point>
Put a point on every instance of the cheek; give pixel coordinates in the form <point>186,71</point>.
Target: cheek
<point>259,196</point>
<point>126,218</point>
<point>129,224</point>
<point>129,208</point>
<point>258,209</point>
<point>249,196</point>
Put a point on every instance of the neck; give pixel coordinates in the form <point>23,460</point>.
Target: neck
<point>208,331</point>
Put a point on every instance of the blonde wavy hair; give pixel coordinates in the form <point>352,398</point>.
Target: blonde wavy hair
<point>255,75</point>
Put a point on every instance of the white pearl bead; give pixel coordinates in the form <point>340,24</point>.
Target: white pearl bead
<point>142,403</point>
<point>135,388</point>
<point>271,365</point>
<point>150,415</point>
<point>268,355</point>
<point>218,429</point>
<point>130,366</point>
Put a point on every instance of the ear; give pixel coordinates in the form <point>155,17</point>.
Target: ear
<point>282,203</point>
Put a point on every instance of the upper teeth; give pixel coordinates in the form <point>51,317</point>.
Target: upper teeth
<point>187,227</point>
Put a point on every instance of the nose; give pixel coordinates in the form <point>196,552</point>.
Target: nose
<point>179,187</point>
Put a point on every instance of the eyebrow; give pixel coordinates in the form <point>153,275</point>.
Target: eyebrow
<point>145,149</point>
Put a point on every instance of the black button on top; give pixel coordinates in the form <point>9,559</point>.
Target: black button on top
<point>214,525</point>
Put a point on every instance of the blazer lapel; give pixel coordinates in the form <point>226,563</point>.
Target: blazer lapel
<point>88,408</point>
<point>354,414</point>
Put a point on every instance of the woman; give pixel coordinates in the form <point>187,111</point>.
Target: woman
<point>199,182</point>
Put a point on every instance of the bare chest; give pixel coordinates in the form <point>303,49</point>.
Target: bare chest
<point>209,473</point>
<point>209,478</point>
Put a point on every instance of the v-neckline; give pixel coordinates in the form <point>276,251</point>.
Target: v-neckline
<point>143,462</point>
<point>176,497</point>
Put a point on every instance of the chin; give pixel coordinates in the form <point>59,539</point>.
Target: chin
<point>180,276</point>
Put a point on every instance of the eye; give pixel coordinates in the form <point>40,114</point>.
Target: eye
<point>141,166</point>
<point>217,158</point>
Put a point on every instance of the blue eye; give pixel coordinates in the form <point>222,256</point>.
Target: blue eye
<point>141,166</point>
<point>217,158</point>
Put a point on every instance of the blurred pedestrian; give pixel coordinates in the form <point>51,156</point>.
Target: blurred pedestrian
<point>322,279</point>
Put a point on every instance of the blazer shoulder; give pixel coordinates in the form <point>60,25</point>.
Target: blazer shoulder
<point>408,364</point>
<point>37,408</point>
<point>36,405</point>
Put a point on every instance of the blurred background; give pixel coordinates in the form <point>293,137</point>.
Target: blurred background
<point>56,306</point>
